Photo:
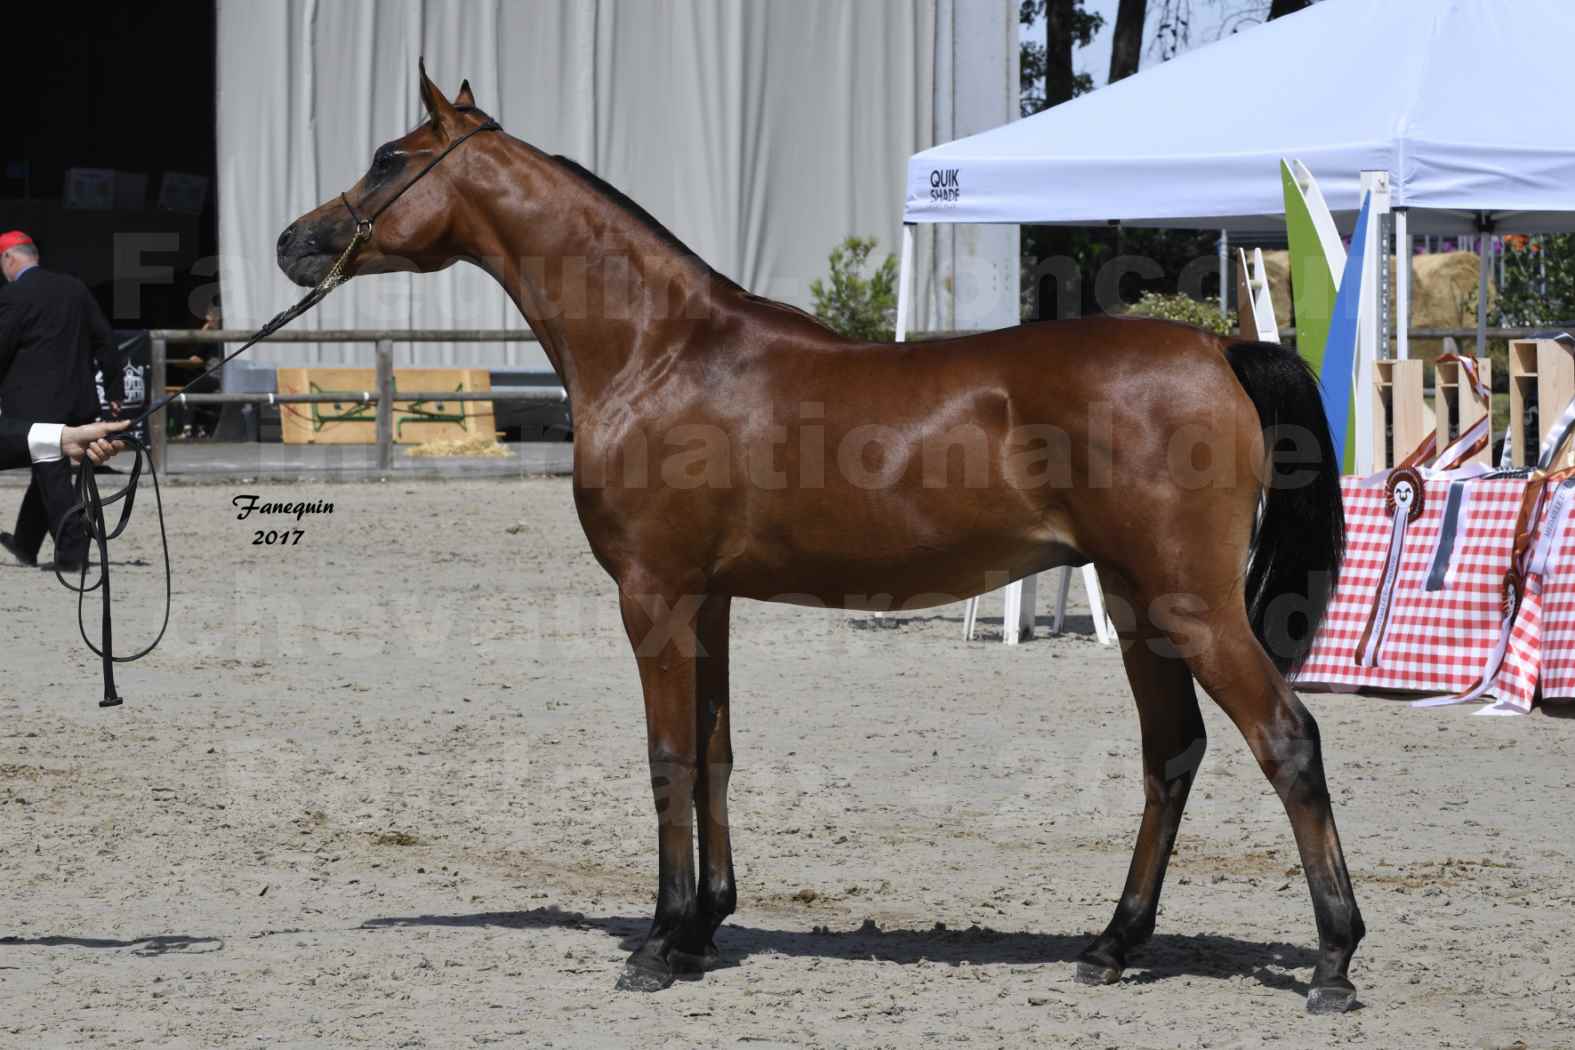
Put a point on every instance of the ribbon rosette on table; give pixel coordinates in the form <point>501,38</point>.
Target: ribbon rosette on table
<point>1446,564</point>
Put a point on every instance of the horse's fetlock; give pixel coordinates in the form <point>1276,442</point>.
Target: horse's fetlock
<point>678,909</point>
<point>720,898</point>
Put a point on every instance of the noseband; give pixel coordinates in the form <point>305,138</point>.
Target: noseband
<point>90,505</point>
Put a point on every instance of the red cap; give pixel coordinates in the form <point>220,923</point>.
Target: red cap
<point>12,238</point>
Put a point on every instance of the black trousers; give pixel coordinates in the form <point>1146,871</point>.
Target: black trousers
<point>44,507</point>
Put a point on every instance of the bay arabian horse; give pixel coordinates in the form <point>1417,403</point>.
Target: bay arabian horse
<point>702,414</point>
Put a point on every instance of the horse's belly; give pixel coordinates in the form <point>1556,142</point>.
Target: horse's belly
<point>880,580</point>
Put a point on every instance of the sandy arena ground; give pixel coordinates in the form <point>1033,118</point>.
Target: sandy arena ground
<point>388,788</point>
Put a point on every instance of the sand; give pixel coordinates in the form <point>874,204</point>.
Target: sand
<point>387,787</point>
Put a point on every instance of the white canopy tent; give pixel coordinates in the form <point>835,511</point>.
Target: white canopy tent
<point>1388,97</point>
<point>1395,90</point>
<point>1345,86</point>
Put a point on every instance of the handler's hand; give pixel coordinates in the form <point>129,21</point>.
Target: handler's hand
<point>92,441</point>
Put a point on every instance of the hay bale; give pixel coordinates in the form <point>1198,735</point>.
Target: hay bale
<point>476,445</point>
<point>1278,266</point>
<point>1443,293</point>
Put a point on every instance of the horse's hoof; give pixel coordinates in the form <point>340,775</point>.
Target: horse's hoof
<point>638,979</point>
<point>694,962</point>
<point>1331,999</point>
<point>1095,973</point>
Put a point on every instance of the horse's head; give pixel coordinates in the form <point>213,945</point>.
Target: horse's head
<point>415,233</point>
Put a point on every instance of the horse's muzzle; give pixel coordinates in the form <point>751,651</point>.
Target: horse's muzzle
<point>302,256</point>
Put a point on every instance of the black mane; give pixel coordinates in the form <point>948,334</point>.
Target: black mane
<point>630,205</point>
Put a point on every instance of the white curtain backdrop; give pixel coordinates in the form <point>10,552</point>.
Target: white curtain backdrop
<point>760,132</point>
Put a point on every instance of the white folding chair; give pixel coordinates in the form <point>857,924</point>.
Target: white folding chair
<point>1021,599</point>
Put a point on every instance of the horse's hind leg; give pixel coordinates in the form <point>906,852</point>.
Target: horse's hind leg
<point>717,894</point>
<point>1237,673</point>
<point>1173,745</point>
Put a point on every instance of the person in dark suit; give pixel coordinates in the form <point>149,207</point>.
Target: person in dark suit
<point>23,444</point>
<point>52,337</point>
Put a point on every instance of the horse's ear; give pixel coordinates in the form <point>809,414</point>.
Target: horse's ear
<point>438,107</point>
<point>464,98</point>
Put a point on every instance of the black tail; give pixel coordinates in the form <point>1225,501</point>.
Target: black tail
<point>1301,535</point>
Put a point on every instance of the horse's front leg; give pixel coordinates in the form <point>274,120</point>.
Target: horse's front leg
<point>696,949</point>
<point>661,621</point>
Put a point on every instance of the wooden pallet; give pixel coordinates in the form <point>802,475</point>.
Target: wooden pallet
<point>1541,376</point>
<point>354,422</point>
<point>1456,405</point>
<point>1401,418</point>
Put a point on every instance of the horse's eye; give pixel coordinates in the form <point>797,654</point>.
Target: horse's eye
<point>383,159</point>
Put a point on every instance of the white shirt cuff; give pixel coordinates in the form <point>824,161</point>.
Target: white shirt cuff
<point>43,441</point>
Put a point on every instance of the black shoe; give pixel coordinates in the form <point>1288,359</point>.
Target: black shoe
<point>67,568</point>
<point>8,541</point>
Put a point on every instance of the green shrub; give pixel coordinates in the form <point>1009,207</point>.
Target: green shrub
<point>856,306</point>
<point>1539,283</point>
<point>1183,308</point>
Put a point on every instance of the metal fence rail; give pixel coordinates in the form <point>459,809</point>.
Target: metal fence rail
<point>348,335</point>
<point>547,395</point>
<point>383,395</point>
<point>1289,334</point>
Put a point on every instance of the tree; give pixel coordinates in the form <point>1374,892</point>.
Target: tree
<point>1060,264</point>
<point>1047,78</point>
<point>857,306</point>
<point>1045,74</point>
<point>1539,281</point>
<point>1126,43</point>
<point>1236,15</point>
<point>1281,8</point>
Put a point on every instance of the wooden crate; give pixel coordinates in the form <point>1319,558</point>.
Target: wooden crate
<point>1456,406</point>
<point>1401,418</point>
<point>1541,383</point>
<point>352,422</point>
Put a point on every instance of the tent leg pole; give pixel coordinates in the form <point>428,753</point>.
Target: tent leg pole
<point>1224,273</point>
<point>905,282</point>
<point>1372,335</point>
<point>1484,260</point>
<point>1402,284</point>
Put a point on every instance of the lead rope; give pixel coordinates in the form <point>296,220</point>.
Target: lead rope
<point>90,504</point>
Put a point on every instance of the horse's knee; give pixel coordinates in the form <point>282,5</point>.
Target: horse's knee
<point>1172,775</point>
<point>718,770</point>
<point>673,776</point>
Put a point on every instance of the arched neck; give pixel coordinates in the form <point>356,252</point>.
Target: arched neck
<point>603,286</point>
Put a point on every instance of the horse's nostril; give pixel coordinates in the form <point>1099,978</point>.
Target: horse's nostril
<point>298,240</point>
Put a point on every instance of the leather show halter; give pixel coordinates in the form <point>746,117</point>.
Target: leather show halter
<point>90,504</point>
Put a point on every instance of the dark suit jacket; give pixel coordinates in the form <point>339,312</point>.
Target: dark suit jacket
<point>51,335</point>
<point>13,443</point>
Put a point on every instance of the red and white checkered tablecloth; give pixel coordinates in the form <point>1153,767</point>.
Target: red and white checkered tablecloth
<point>1454,639</point>
<point>1554,604</point>
<point>1439,641</point>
